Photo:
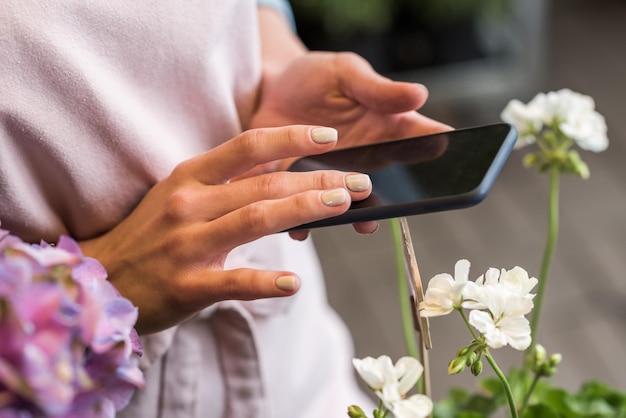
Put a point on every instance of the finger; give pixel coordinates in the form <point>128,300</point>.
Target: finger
<point>416,124</point>
<point>366,227</point>
<point>283,184</point>
<point>242,284</point>
<point>374,91</point>
<point>300,234</point>
<point>271,216</point>
<point>405,125</point>
<point>259,146</point>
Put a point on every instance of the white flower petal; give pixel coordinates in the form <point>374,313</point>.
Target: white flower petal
<point>461,271</point>
<point>515,305</point>
<point>482,321</point>
<point>588,130</point>
<point>472,296</point>
<point>375,372</point>
<point>520,343</point>
<point>408,370</point>
<point>389,394</point>
<point>514,327</point>
<point>438,299</point>
<point>526,119</point>
<point>417,406</point>
<point>517,281</point>
<point>492,276</point>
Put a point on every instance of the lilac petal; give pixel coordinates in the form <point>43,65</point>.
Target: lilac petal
<point>7,240</point>
<point>114,325</point>
<point>47,257</point>
<point>131,373</point>
<point>137,346</point>
<point>91,406</point>
<point>39,303</point>
<point>89,269</point>
<point>15,272</point>
<point>120,394</point>
<point>68,244</point>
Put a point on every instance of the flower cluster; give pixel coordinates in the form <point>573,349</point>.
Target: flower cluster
<point>556,121</point>
<point>391,383</point>
<point>68,344</point>
<point>498,302</point>
<point>573,113</point>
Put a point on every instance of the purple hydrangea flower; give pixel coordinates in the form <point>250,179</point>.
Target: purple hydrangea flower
<point>68,348</point>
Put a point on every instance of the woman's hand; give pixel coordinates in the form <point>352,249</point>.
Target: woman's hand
<point>340,90</point>
<point>168,255</point>
<point>343,91</point>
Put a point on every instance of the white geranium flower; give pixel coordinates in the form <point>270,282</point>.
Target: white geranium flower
<point>574,113</point>
<point>577,119</point>
<point>517,281</point>
<point>445,293</point>
<point>504,322</point>
<point>389,382</point>
<point>417,406</point>
<point>376,372</point>
<point>564,105</point>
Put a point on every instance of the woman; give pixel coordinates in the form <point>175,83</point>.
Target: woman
<point>155,133</point>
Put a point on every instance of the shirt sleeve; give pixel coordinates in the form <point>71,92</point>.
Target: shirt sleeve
<point>281,6</point>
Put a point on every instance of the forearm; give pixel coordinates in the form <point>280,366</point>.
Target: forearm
<point>280,45</point>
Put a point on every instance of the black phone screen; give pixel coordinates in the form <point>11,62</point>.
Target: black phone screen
<point>423,174</point>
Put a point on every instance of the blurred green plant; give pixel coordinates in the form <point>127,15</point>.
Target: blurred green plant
<point>355,16</point>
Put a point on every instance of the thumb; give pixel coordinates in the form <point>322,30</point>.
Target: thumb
<point>376,91</point>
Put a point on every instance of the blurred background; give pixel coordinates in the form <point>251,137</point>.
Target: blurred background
<point>475,56</point>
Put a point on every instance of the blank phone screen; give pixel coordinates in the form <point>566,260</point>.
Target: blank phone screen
<point>419,169</point>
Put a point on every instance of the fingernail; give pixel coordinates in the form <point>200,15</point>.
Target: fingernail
<point>288,283</point>
<point>358,182</point>
<point>323,135</point>
<point>334,197</point>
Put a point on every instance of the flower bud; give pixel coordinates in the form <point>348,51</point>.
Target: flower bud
<point>463,352</point>
<point>555,359</point>
<point>355,412</point>
<point>477,368</point>
<point>576,165</point>
<point>539,355</point>
<point>470,358</point>
<point>456,366</point>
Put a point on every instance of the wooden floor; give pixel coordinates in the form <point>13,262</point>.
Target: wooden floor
<point>585,311</point>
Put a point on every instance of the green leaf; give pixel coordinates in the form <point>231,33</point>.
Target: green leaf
<point>540,410</point>
<point>460,404</point>
<point>493,387</point>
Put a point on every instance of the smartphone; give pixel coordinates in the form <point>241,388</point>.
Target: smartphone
<point>431,173</point>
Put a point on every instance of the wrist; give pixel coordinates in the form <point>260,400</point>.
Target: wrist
<point>280,45</point>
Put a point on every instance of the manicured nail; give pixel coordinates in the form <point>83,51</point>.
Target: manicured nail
<point>288,283</point>
<point>334,197</point>
<point>358,182</point>
<point>323,135</point>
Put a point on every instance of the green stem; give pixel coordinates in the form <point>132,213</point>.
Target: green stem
<point>553,229</point>
<point>530,391</point>
<point>505,384</point>
<point>467,324</point>
<point>403,292</point>
<point>494,366</point>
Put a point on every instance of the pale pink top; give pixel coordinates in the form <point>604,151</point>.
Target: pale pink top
<point>101,99</point>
